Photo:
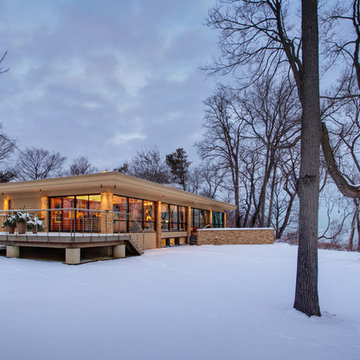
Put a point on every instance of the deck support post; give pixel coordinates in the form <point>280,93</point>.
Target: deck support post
<point>72,256</point>
<point>119,251</point>
<point>12,251</point>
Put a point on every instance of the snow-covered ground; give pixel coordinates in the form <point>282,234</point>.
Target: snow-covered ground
<point>208,302</point>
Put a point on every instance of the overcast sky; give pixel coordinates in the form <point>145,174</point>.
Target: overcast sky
<point>105,78</point>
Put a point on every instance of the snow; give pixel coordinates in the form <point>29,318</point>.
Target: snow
<point>190,302</point>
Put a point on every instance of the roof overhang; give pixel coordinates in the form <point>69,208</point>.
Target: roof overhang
<point>115,182</point>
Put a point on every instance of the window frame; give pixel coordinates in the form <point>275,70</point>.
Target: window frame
<point>75,222</point>
<point>130,222</point>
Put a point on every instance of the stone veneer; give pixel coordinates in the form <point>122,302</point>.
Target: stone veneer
<point>235,236</point>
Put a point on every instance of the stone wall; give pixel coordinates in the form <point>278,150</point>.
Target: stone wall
<point>235,236</point>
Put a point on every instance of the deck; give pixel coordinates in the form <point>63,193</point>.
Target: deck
<point>118,245</point>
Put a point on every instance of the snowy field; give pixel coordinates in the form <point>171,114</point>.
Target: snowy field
<point>208,302</point>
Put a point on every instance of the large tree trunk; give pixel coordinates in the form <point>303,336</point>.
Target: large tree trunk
<point>306,294</point>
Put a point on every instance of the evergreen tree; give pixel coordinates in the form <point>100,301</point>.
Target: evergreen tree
<point>179,166</point>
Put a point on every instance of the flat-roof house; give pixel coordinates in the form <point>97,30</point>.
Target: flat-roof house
<point>110,207</point>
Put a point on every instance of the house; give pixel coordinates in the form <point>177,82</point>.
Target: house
<point>108,211</point>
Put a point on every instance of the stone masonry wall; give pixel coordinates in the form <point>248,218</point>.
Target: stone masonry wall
<point>235,236</point>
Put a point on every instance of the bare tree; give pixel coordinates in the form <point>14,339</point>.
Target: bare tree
<point>206,180</point>
<point>334,227</point>
<point>7,175</point>
<point>245,131</point>
<point>272,111</point>
<point>254,35</point>
<point>285,190</point>
<point>147,164</point>
<point>82,166</point>
<point>306,294</point>
<point>36,163</point>
<point>222,139</point>
<point>7,145</point>
<point>2,69</point>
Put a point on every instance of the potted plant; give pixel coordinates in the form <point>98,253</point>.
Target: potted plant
<point>21,220</point>
<point>35,224</point>
<point>9,224</point>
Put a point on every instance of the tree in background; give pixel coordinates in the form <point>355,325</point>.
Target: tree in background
<point>147,164</point>
<point>7,175</point>
<point>222,139</point>
<point>82,166</point>
<point>36,163</point>
<point>124,168</point>
<point>206,180</point>
<point>7,147</point>
<point>250,135</point>
<point>179,166</point>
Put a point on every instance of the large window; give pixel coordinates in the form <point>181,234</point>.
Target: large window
<point>133,215</point>
<point>84,219</point>
<point>173,217</point>
<point>173,211</point>
<point>199,219</point>
<point>120,206</point>
<point>217,219</point>
<point>149,215</point>
<point>165,217</point>
<point>182,218</point>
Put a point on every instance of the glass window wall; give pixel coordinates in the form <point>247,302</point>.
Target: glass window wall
<point>120,207</point>
<point>199,219</point>
<point>217,219</point>
<point>83,220</point>
<point>133,215</point>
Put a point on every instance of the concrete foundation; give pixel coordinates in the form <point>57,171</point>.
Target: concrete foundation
<point>72,256</point>
<point>12,251</point>
<point>119,251</point>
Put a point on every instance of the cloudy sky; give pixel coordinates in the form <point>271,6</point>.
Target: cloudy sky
<point>105,78</point>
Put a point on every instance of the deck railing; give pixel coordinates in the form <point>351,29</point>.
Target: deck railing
<point>73,222</point>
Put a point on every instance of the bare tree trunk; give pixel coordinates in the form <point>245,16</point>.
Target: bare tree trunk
<point>271,197</point>
<point>263,190</point>
<point>259,214</point>
<point>306,294</point>
<point>352,228</point>
<point>358,231</point>
<point>282,228</point>
<point>340,181</point>
<point>237,203</point>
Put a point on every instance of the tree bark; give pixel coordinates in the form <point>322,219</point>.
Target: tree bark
<point>306,294</point>
<point>282,228</point>
<point>358,231</point>
<point>342,184</point>
<point>272,189</point>
<point>352,226</point>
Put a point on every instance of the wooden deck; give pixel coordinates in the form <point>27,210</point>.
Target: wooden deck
<point>69,241</point>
